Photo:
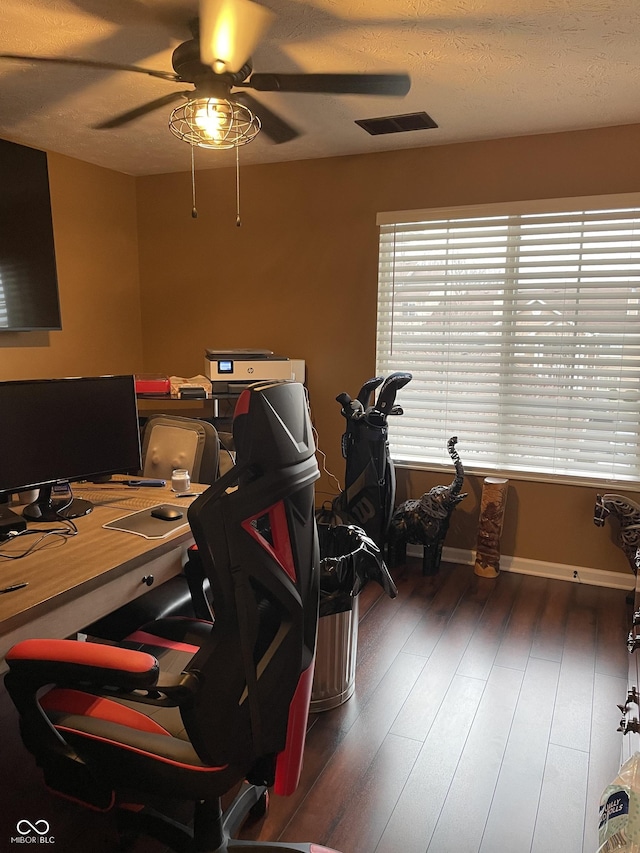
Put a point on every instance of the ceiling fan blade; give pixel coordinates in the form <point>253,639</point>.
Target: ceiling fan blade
<point>230,31</point>
<point>93,63</point>
<point>335,84</point>
<point>174,15</point>
<point>276,128</point>
<point>138,112</point>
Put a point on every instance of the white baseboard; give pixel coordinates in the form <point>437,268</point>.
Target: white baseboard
<point>539,568</point>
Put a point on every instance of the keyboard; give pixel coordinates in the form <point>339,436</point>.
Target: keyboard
<point>103,498</point>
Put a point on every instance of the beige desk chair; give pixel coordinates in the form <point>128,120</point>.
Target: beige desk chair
<point>170,442</point>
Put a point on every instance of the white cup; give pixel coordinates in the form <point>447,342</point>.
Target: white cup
<point>180,480</point>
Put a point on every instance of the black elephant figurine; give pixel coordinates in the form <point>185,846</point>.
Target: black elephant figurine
<point>425,521</point>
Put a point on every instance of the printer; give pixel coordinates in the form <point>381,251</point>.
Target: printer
<point>232,370</point>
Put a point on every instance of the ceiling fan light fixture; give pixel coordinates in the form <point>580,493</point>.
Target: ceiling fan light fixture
<point>214,123</point>
<point>229,32</point>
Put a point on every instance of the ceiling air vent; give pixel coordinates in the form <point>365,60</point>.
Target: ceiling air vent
<point>397,124</point>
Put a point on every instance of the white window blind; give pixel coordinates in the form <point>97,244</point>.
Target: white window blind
<point>522,331</point>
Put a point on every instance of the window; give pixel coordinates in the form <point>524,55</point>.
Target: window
<point>521,327</point>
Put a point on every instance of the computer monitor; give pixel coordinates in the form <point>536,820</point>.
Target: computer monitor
<point>57,431</point>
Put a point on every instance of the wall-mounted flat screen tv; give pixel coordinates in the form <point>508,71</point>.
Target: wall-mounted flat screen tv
<point>28,277</point>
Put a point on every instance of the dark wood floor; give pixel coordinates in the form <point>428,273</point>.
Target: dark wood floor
<point>484,721</point>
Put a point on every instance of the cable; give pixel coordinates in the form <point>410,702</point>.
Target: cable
<point>324,459</point>
<point>316,438</point>
<point>64,533</point>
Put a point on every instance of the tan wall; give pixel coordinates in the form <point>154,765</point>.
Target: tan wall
<point>94,219</point>
<point>299,277</point>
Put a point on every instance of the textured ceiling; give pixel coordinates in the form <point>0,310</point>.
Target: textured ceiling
<point>481,68</point>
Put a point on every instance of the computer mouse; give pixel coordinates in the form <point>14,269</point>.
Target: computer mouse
<point>166,513</point>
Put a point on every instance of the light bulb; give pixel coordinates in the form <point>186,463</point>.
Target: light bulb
<point>212,119</point>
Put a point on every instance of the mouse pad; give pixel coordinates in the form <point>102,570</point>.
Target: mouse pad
<point>144,524</point>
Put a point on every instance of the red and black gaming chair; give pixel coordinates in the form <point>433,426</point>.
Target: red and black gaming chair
<point>188,709</point>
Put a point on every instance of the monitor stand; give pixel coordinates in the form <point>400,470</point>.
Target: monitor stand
<point>56,502</point>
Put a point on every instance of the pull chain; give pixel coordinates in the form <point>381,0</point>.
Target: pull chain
<point>194,210</point>
<point>238,220</point>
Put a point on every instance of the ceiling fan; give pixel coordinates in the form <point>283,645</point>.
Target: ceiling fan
<point>218,111</point>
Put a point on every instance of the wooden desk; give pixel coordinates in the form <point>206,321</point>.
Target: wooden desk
<point>217,409</point>
<point>205,409</point>
<point>74,581</point>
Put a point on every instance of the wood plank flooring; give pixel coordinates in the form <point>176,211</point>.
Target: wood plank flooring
<point>484,721</point>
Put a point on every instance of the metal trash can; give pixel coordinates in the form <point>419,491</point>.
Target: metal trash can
<point>348,559</point>
<point>334,678</point>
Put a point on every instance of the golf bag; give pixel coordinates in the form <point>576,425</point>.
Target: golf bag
<point>370,485</point>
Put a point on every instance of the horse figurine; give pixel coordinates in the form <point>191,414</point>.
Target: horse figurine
<point>425,521</point>
<point>628,514</point>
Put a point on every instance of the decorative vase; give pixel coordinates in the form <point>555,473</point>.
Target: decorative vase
<point>492,506</point>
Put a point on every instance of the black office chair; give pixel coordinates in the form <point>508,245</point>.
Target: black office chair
<point>170,441</point>
<point>187,709</point>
